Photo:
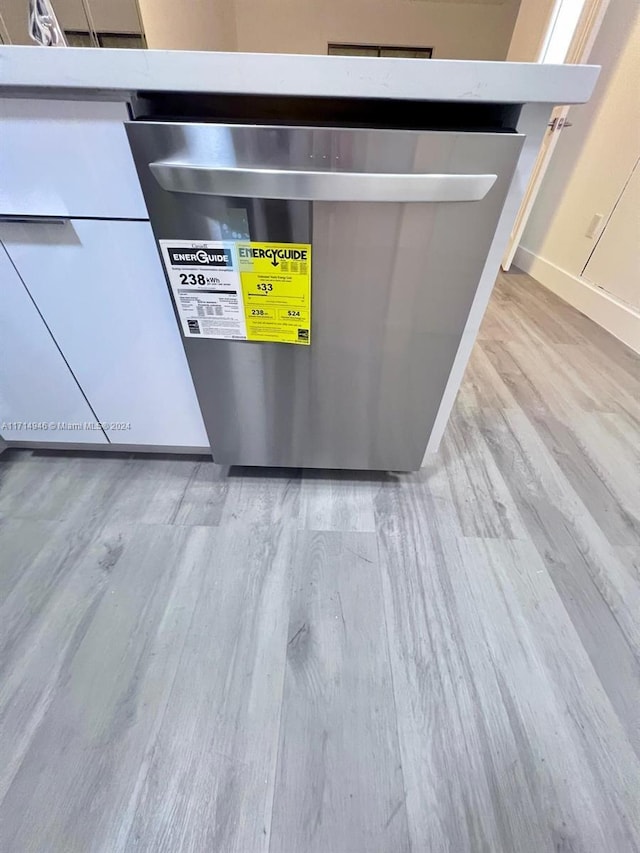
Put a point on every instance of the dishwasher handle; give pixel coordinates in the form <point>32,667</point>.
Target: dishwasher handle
<point>290,184</point>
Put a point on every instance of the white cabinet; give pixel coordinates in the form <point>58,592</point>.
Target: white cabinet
<point>39,398</point>
<point>67,158</point>
<point>100,287</point>
<point>615,262</point>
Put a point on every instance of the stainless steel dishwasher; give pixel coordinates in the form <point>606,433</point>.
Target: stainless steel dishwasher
<point>397,224</point>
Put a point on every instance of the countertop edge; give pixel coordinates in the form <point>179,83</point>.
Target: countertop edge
<point>105,74</point>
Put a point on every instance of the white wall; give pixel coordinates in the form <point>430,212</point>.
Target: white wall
<point>189,25</point>
<point>476,30</point>
<point>592,164</point>
<point>530,30</point>
<point>479,29</point>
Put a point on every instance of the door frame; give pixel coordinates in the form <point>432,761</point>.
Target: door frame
<point>587,29</point>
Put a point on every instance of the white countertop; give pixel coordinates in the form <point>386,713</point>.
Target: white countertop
<point>100,72</point>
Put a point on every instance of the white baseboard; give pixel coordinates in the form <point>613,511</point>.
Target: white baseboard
<point>612,314</point>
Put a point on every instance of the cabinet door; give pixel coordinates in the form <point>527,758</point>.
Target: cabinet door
<point>614,264</point>
<point>100,287</point>
<point>39,398</point>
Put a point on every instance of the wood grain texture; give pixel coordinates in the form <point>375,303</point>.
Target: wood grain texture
<point>204,496</point>
<point>89,719</point>
<point>267,661</point>
<point>207,777</point>
<point>338,500</point>
<point>602,599</point>
<point>339,784</point>
<point>262,496</point>
<point>162,698</point>
<point>487,722</point>
<point>48,486</point>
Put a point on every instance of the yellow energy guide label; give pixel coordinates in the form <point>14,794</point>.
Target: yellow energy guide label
<point>240,290</point>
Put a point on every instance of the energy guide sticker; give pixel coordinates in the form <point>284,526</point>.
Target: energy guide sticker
<point>241,291</point>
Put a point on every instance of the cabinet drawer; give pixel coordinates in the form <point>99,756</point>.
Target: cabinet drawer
<point>67,158</point>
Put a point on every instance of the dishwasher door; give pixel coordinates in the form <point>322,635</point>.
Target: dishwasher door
<point>400,223</point>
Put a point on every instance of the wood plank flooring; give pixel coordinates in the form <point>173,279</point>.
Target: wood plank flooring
<point>249,661</point>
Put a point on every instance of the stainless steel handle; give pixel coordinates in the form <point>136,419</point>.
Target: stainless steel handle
<point>34,220</point>
<point>319,186</point>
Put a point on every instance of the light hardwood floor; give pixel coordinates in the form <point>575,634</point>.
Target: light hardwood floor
<point>199,660</point>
